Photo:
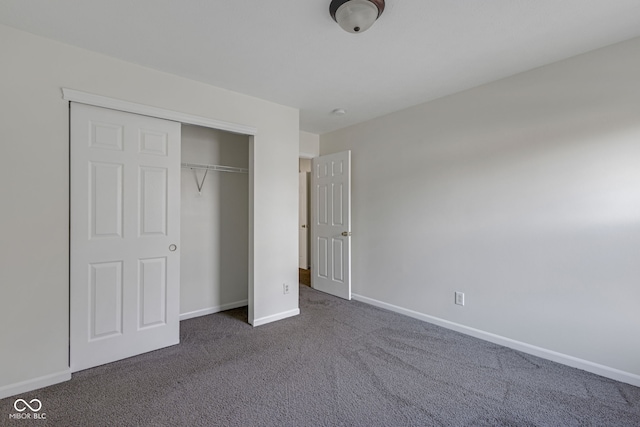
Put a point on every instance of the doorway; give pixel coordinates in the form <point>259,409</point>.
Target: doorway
<point>304,223</point>
<point>214,216</point>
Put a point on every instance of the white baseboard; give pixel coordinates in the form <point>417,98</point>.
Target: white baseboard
<point>274,317</point>
<point>34,384</point>
<point>574,362</point>
<point>212,310</point>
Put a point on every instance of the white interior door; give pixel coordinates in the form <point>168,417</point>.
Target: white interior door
<point>125,231</point>
<point>303,226</point>
<point>331,224</point>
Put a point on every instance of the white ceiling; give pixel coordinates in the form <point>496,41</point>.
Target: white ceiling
<point>291,52</point>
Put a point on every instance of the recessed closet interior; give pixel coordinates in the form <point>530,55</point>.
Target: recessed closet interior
<point>214,221</point>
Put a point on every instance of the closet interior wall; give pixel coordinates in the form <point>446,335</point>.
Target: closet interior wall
<point>214,223</point>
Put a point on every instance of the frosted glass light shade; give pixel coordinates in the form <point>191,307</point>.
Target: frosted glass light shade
<point>357,16</point>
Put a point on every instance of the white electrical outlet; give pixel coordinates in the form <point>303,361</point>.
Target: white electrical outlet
<point>460,298</point>
<point>285,288</point>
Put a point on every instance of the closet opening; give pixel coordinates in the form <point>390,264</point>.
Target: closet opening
<point>129,200</point>
<point>214,181</point>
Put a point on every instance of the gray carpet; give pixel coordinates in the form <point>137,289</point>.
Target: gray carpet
<point>339,363</point>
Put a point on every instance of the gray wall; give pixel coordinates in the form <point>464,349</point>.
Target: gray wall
<point>524,194</point>
<point>214,224</point>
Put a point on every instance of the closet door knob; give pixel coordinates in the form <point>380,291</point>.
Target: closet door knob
<point>173,247</point>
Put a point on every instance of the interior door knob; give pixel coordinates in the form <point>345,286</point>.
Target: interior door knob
<point>346,233</point>
<point>173,247</point>
<point>304,225</point>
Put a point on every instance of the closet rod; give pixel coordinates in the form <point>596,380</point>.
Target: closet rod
<point>218,168</point>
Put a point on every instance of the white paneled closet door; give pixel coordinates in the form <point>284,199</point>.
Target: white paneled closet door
<point>125,233</point>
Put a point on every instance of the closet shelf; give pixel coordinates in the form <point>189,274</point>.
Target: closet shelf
<point>218,168</point>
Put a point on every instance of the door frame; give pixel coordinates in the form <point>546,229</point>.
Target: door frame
<point>73,95</point>
<point>308,156</point>
<point>303,223</point>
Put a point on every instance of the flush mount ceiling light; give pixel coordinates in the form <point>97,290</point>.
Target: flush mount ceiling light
<point>356,16</point>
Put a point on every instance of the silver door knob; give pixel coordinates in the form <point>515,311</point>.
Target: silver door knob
<point>173,247</point>
<point>346,233</point>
